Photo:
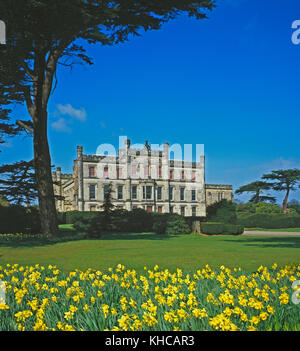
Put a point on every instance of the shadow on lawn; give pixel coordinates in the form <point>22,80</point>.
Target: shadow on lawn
<point>71,235</point>
<point>135,236</point>
<point>272,242</point>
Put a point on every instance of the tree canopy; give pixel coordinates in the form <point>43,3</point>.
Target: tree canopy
<point>284,180</point>
<point>42,34</point>
<point>17,183</point>
<point>257,188</point>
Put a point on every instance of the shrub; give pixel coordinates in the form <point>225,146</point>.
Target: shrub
<point>120,221</point>
<point>61,218</point>
<point>140,221</point>
<point>233,229</point>
<point>176,225</point>
<point>268,221</point>
<point>221,228</point>
<point>17,219</point>
<point>260,207</point>
<point>223,212</point>
<point>93,228</point>
<point>160,222</point>
<point>212,228</point>
<point>248,207</point>
<point>294,205</point>
<point>74,216</point>
<point>33,220</point>
<point>123,221</point>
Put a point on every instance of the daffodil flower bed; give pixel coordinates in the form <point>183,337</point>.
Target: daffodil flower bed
<point>42,298</point>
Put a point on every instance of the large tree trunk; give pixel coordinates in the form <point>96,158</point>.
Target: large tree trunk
<point>42,160</point>
<point>42,164</point>
<point>285,201</point>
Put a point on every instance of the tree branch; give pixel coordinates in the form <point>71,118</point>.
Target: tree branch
<point>28,71</point>
<point>51,64</point>
<point>23,125</point>
<point>29,103</point>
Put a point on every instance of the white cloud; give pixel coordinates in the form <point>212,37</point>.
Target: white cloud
<point>71,114</point>
<point>61,126</point>
<point>69,110</point>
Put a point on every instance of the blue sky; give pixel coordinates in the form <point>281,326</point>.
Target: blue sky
<point>230,82</point>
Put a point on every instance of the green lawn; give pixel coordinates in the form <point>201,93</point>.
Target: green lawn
<point>138,250</point>
<point>290,230</point>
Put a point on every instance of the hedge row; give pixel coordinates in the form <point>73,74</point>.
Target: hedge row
<point>268,221</point>
<point>122,221</point>
<point>221,228</point>
<point>18,219</point>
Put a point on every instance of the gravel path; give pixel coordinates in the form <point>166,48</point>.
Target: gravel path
<point>262,233</point>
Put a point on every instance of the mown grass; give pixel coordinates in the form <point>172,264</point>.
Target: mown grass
<point>147,249</point>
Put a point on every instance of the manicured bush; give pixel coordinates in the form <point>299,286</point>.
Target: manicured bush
<point>233,229</point>
<point>212,228</point>
<point>221,228</point>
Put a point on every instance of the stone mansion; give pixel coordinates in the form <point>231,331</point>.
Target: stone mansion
<point>139,178</point>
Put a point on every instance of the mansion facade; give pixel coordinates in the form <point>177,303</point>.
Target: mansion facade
<point>138,178</point>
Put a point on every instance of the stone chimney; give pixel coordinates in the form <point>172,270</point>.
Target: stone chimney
<point>202,161</point>
<point>58,173</point>
<point>79,152</point>
<point>166,149</point>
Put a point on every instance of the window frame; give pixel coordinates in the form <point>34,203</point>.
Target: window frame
<point>182,194</point>
<point>171,193</point>
<point>120,194</point>
<point>193,195</point>
<point>92,174</point>
<point>94,191</point>
<point>132,192</point>
<point>159,192</point>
